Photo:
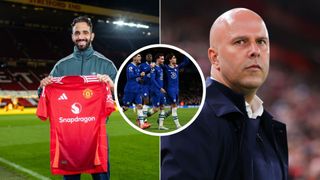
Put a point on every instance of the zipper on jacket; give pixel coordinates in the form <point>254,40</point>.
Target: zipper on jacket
<point>81,63</point>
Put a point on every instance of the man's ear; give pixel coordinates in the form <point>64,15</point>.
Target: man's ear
<point>213,57</point>
<point>92,36</point>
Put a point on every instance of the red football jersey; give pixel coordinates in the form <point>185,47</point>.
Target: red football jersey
<point>77,107</point>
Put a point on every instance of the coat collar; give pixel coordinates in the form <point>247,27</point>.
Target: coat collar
<point>83,54</point>
<point>223,100</point>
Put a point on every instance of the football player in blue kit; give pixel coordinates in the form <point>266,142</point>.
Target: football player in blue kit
<point>132,89</point>
<point>172,85</point>
<point>157,91</point>
<point>146,83</point>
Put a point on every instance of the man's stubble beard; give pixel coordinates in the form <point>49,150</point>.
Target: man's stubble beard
<point>83,48</point>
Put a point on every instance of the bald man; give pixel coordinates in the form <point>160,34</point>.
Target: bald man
<point>234,137</point>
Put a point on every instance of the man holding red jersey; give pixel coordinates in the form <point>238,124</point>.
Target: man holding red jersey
<point>83,61</point>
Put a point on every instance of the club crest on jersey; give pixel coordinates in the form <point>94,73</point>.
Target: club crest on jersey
<point>87,93</point>
<point>76,108</point>
<point>173,75</point>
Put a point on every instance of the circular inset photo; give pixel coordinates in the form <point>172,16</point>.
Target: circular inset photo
<point>160,89</point>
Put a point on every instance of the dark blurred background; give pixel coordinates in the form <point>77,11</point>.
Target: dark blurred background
<point>43,31</point>
<point>291,92</point>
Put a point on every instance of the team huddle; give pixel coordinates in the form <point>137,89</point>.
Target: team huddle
<point>146,83</point>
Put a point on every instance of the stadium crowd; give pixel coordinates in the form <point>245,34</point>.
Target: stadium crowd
<point>295,101</point>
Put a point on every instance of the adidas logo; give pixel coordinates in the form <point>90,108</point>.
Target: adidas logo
<point>63,97</point>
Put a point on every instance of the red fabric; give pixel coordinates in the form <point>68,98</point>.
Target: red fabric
<point>77,107</point>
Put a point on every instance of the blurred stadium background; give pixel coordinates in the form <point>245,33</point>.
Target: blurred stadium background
<point>291,92</point>
<point>35,34</point>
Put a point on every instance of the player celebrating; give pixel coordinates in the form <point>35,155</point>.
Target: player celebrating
<point>132,89</point>
<point>157,90</point>
<point>145,86</point>
<point>172,85</point>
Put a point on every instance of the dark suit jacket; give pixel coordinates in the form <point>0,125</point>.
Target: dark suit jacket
<point>210,147</point>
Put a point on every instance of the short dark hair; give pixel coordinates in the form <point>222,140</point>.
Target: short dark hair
<point>136,55</point>
<point>85,19</point>
<point>158,55</point>
<point>169,56</point>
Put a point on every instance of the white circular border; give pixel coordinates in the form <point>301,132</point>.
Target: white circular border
<point>160,46</point>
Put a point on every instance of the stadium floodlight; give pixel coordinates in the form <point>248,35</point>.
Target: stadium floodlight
<point>119,23</point>
<point>100,21</point>
<point>130,24</point>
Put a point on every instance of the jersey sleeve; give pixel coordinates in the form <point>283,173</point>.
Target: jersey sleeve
<point>145,68</point>
<point>184,62</point>
<point>109,102</point>
<point>42,112</point>
<point>146,77</point>
<point>131,74</point>
<point>112,71</point>
<point>55,71</point>
<point>153,78</point>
